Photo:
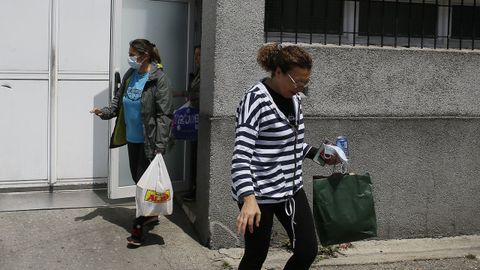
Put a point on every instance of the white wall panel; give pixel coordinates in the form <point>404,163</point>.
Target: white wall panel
<point>84,35</point>
<point>24,35</point>
<point>24,130</point>
<point>82,137</point>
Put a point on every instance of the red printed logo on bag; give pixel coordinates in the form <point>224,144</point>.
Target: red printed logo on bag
<point>157,197</point>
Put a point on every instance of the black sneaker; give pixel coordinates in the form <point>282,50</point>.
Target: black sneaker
<point>136,238</point>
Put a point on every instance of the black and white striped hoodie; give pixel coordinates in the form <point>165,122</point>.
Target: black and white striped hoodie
<point>269,150</point>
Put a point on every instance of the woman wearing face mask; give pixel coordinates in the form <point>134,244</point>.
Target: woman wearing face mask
<point>268,158</point>
<point>143,107</point>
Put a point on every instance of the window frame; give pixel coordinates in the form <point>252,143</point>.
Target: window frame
<point>350,34</point>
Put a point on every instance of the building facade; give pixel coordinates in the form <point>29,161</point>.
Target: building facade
<point>411,114</point>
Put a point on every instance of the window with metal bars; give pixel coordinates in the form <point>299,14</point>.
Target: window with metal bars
<point>320,16</point>
<point>465,22</point>
<point>397,19</point>
<point>450,24</point>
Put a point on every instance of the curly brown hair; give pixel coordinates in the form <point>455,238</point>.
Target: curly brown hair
<point>273,55</point>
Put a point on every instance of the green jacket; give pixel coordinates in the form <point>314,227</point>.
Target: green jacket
<point>156,111</point>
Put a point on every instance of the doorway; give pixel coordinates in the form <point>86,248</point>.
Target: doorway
<point>170,26</point>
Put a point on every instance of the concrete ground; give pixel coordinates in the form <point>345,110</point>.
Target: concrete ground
<point>461,252</point>
<point>440,264</point>
<point>95,238</point>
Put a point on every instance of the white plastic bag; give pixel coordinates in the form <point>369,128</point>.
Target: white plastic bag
<point>154,190</point>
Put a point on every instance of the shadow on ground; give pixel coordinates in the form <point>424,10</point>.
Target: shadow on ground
<point>180,219</point>
<point>120,216</point>
<point>123,217</point>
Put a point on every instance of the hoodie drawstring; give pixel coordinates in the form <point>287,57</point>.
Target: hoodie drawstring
<point>290,211</point>
<point>290,203</point>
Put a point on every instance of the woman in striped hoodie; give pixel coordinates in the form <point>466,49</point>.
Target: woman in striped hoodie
<point>267,159</point>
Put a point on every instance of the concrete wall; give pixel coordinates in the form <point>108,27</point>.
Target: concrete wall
<point>411,117</point>
<point>231,33</point>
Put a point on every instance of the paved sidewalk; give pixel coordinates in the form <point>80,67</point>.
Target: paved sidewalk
<point>95,238</point>
<point>375,252</point>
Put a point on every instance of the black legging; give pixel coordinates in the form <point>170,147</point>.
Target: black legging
<point>138,160</point>
<point>138,165</point>
<point>257,244</point>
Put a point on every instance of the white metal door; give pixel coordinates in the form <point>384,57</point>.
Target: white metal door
<point>82,82</point>
<point>24,92</point>
<point>168,25</point>
<point>51,74</point>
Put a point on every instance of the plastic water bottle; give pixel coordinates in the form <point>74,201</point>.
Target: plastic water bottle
<point>342,142</point>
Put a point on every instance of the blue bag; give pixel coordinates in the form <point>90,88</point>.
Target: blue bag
<point>185,123</point>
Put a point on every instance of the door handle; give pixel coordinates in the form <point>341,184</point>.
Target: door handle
<point>6,85</point>
<point>117,82</point>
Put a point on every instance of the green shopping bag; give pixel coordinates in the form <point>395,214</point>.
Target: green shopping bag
<point>343,208</point>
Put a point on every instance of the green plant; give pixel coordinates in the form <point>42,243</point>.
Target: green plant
<point>471,257</point>
<point>226,266</point>
<point>329,251</point>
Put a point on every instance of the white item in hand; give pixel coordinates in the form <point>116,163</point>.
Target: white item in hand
<point>331,150</point>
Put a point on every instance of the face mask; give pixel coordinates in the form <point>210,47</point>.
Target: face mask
<point>132,61</point>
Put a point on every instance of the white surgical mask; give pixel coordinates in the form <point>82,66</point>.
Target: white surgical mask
<point>132,61</point>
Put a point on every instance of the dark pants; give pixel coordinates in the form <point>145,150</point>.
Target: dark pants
<point>138,165</point>
<point>138,160</point>
<point>258,242</point>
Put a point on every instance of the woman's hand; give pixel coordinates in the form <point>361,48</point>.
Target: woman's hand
<point>97,111</point>
<point>249,214</point>
<point>331,159</point>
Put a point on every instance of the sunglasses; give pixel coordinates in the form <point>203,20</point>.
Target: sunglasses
<point>299,84</point>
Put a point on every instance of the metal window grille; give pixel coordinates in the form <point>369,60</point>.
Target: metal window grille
<point>448,24</point>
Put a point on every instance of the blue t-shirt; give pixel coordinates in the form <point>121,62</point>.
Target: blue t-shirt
<point>132,107</point>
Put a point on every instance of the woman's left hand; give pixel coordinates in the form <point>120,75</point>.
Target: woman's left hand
<point>332,160</point>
